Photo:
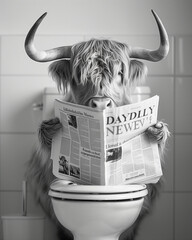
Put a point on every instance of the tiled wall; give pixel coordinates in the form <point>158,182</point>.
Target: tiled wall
<point>21,84</point>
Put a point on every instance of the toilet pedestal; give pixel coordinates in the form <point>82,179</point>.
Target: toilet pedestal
<point>97,221</point>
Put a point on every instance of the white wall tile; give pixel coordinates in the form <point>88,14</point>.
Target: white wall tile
<point>34,209</point>
<point>50,230</point>
<point>183,55</point>
<point>79,16</point>
<point>11,203</point>
<point>15,152</point>
<point>183,216</point>
<point>168,172</point>
<point>183,110</point>
<point>183,163</point>
<point>163,67</point>
<point>18,93</point>
<point>159,225</point>
<point>14,60</point>
<point>1,231</point>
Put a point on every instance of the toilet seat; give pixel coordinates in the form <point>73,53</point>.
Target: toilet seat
<point>61,189</point>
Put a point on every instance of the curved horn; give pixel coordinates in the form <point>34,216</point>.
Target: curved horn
<point>45,55</point>
<point>155,55</point>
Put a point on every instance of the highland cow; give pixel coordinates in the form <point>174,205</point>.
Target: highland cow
<point>99,74</point>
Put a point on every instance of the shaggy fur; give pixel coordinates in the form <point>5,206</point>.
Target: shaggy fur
<point>97,67</point>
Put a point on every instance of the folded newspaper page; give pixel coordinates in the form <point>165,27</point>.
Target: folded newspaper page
<point>106,147</point>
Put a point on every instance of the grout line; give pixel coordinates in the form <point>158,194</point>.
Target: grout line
<point>174,135</point>
<point>18,133</point>
<point>170,75</point>
<point>12,132</point>
<point>166,191</point>
<point>25,75</point>
<point>10,190</point>
<point>177,191</point>
<point>182,133</point>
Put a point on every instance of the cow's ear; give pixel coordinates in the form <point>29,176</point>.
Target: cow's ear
<point>61,74</point>
<point>137,71</point>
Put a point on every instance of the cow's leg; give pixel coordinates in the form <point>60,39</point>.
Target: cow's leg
<point>47,130</point>
<point>159,132</point>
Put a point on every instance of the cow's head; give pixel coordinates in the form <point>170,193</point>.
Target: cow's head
<point>97,73</point>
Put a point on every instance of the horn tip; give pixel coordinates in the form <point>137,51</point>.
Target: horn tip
<point>41,18</point>
<point>43,15</point>
<point>153,12</point>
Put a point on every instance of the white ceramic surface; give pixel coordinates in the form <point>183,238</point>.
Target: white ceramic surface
<point>23,227</point>
<point>96,212</point>
<point>97,220</point>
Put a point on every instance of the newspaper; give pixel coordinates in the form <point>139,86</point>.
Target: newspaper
<point>106,147</point>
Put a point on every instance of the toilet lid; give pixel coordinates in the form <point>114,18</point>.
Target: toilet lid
<point>67,190</point>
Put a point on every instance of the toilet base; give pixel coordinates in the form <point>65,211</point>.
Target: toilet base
<point>96,231</point>
<point>97,220</point>
<point>93,215</point>
<point>83,237</point>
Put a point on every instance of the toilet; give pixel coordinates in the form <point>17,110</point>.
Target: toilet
<point>95,212</point>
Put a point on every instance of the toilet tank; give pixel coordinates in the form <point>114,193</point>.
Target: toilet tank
<point>44,111</point>
<point>140,93</point>
<point>49,95</point>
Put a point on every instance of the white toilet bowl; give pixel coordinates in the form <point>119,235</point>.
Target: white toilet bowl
<point>96,212</point>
